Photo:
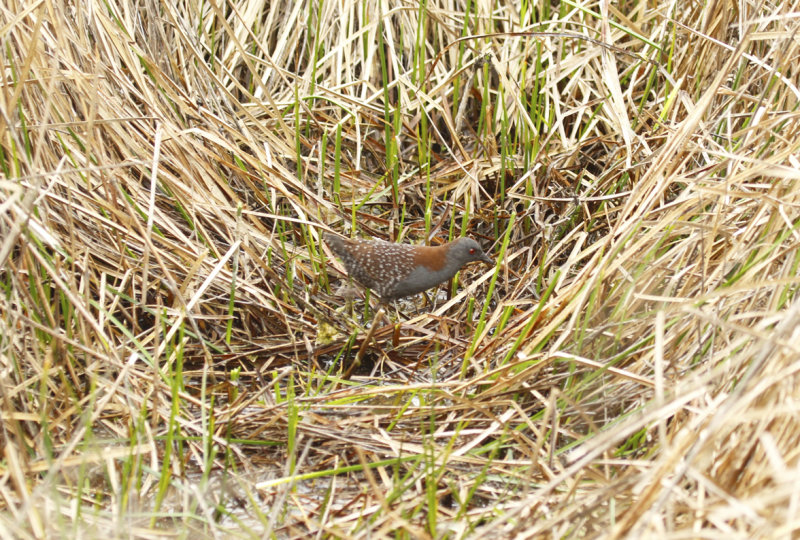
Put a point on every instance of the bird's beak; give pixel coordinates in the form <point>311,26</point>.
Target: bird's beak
<point>487,259</point>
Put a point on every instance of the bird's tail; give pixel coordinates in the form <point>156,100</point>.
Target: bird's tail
<point>335,242</point>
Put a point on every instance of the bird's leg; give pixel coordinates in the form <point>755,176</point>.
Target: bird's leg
<point>428,305</point>
<point>363,348</point>
<point>431,304</point>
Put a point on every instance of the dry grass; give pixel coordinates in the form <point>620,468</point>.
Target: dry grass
<point>173,347</point>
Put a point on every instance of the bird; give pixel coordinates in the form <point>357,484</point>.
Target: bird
<point>395,271</point>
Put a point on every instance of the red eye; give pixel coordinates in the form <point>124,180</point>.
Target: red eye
<point>472,251</point>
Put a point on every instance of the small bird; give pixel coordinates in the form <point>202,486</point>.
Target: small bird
<point>397,270</point>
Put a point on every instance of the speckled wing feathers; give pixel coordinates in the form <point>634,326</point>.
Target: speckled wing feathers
<point>376,264</point>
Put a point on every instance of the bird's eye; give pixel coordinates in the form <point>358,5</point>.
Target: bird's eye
<point>472,251</point>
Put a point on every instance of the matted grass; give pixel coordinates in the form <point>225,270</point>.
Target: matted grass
<point>177,357</point>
